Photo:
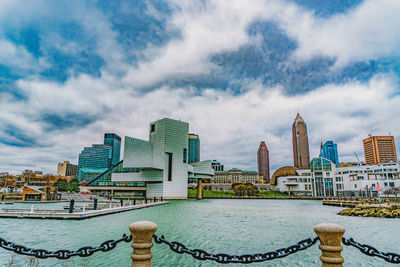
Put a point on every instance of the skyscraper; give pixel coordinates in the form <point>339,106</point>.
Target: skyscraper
<point>114,141</point>
<point>301,152</point>
<point>379,149</point>
<point>329,151</point>
<point>263,162</point>
<point>194,148</point>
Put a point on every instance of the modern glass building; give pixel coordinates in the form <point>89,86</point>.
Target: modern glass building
<point>322,175</point>
<point>103,183</point>
<point>94,159</point>
<point>194,148</point>
<point>155,168</point>
<point>114,141</point>
<point>329,151</point>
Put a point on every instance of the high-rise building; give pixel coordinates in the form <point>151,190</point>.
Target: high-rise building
<point>379,149</point>
<point>93,161</point>
<point>67,169</point>
<point>301,152</point>
<point>194,148</point>
<point>114,141</point>
<point>329,151</point>
<point>263,162</point>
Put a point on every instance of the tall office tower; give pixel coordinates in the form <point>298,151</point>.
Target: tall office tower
<point>263,162</point>
<point>329,151</point>
<point>301,152</point>
<point>114,141</point>
<point>93,161</point>
<point>379,149</point>
<point>194,148</point>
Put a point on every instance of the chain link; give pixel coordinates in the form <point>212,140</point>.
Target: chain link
<point>203,255</point>
<point>63,254</point>
<point>371,251</point>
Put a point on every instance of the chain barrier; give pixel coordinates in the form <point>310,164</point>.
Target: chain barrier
<point>203,255</point>
<point>371,251</point>
<point>63,254</point>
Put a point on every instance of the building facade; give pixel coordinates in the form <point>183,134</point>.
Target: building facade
<point>263,162</point>
<point>379,149</point>
<point>67,169</point>
<point>114,141</point>
<point>235,176</point>
<point>324,179</point>
<point>301,154</point>
<point>217,166</point>
<point>329,151</point>
<point>194,148</point>
<point>95,159</point>
<point>155,168</point>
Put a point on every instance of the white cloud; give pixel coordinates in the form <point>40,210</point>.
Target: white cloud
<point>205,29</point>
<point>369,31</point>
<point>230,126</point>
<point>15,56</point>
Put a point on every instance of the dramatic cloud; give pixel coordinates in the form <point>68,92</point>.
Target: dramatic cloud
<point>237,71</point>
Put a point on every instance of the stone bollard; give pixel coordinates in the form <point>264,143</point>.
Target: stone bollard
<point>142,233</point>
<point>330,236</point>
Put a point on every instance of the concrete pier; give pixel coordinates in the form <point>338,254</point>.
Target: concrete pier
<point>52,214</point>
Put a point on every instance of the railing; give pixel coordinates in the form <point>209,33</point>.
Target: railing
<point>143,232</point>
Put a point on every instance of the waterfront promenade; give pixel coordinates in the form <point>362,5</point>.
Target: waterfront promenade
<point>77,215</point>
<point>234,227</point>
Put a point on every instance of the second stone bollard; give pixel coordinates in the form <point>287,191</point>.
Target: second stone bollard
<point>142,233</point>
<point>330,236</point>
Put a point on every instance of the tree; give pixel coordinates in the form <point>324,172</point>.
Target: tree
<point>73,185</point>
<point>61,184</point>
<point>247,189</point>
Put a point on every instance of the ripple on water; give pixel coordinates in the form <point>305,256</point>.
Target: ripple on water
<point>229,226</point>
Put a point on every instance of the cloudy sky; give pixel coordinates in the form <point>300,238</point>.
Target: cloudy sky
<point>237,71</point>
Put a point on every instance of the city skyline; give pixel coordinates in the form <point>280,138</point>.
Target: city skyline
<point>114,67</point>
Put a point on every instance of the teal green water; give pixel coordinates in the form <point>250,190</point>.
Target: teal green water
<point>218,226</point>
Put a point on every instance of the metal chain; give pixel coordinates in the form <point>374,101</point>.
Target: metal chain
<point>203,255</point>
<point>63,254</point>
<point>371,251</point>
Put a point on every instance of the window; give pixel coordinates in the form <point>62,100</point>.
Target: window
<point>385,183</point>
<point>169,166</point>
<point>355,186</point>
<point>391,183</point>
<point>152,128</point>
<point>184,155</point>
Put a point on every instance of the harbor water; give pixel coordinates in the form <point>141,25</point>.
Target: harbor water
<point>218,226</point>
